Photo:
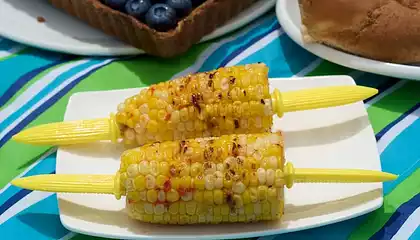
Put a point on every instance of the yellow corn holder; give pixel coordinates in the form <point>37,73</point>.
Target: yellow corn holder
<point>111,184</point>
<point>83,131</point>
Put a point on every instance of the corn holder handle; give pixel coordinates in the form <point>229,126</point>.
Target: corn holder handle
<point>110,184</point>
<point>84,131</point>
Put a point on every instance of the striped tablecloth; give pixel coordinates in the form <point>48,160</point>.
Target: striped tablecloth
<point>35,86</point>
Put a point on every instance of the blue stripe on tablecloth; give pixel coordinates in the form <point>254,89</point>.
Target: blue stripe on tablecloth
<point>39,221</point>
<point>393,123</point>
<point>42,167</point>
<point>397,157</point>
<point>398,218</point>
<point>288,60</point>
<point>23,63</point>
<point>46,105</point>
<point>217,57</point>
<point>25,78</point>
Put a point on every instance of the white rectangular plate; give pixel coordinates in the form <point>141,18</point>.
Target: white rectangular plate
<point>339,137</point>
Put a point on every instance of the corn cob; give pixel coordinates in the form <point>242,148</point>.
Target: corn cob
<point>232,178</point>
<point>210,180</point>
<point>230,100</point>
<point>225,101</point>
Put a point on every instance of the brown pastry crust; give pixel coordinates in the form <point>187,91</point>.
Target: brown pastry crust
<point>202,21</point>
<point>385,30</point>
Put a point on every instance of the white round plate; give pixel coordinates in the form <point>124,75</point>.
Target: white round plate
<point>288,14</point>
<point>64,33</point>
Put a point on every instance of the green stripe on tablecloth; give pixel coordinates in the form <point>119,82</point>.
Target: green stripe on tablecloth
<point>329,68</point>
<point>393,105</point>
<point>34,80</point>
<point>142,72</point>
<point>401,194</point>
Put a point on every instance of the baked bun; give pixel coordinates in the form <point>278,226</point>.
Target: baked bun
<point>385,30</point>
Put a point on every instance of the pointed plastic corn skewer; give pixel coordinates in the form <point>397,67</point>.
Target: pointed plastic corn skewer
<point>83,131</point>
<point>110,184</point>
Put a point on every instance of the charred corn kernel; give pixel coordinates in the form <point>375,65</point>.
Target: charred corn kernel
<point>219,182</point>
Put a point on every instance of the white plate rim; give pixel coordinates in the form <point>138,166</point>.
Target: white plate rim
<point>124,49</point>
<point>342,58</point>
<point>378,201</point>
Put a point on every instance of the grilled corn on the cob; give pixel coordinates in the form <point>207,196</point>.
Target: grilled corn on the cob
<point>225,101</point>
<point>234,178</point>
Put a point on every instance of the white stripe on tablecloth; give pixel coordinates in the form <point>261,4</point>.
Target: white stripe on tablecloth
<point>23,204</point>
<point>260,44</point>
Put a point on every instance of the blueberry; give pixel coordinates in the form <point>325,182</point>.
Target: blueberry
<point>161,17</point>
<point>137,8</point>
<point>182,7</point>
<point>116,4</point>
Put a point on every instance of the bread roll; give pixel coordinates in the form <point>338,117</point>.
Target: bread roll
<point>385,30</point>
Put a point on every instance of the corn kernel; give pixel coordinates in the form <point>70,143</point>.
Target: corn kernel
<point>185,182</point>
<point>253,193</point>
<point>139,207</point>
<point>159,209</point>
<point>198,196</point>
<point>279,179</point>
<point>144,168</point>
<point>191,207</point>
<point>148,208</point>
<point>246,197</point>
<point>147,218</point>
<point>174,219</point>
<point>152,195</point>
<point>183,219</point>
<point>233,218</point>
<point>262,193</point>
<point>196,169</point>
<point>175,182</point>
<point>182,208</point>
<point>174,208</point>
<point>153,168</point>
<point>140,183</point>
<point>238,202</point>
<point>218,196</point>
<point>172,195</point>
<point>270,177</point>
<point>161,180</point>
<point>152,126</point>
<point>150,181</point>
<point>224,210</point>
<point>193,219</point>
<point>208,197</point>
<point>272,194</point>
<point>133,196</point>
